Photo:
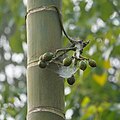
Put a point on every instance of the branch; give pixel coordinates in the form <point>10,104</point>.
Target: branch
<point>65,49</point>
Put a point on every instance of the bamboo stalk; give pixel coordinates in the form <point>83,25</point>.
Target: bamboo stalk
<point>45,89</point>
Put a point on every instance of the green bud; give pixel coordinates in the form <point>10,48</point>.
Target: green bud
<point>92,63</point>
<point>83,65</point>
<point>47,56</point>
<point>42,64</point>
<point>71,80</point>
<point>67,61</point>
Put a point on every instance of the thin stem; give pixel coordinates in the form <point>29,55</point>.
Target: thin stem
<point>80,58</point>
<point>65,49</point>
<point>84,57</point>
<point>86,43</point>
<point>61,24</point>
<point>60,55</point>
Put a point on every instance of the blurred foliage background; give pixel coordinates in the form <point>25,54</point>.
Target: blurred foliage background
<point>96,92</point>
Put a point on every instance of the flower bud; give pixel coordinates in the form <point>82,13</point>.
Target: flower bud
<point>83,65</point>
<point>92,63</point>
<point>71,80</point>
<point>42,64</point>
<point>67,61</point>
<point>47,56</point>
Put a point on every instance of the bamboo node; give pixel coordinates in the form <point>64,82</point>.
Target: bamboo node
<point>47,109</point>
<point>40,9</point>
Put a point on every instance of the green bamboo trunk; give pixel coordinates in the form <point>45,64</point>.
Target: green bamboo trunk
<point>45,89</point>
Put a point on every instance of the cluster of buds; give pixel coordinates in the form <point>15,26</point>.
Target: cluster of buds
<point>44,59</point>
<point>59,58</point>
